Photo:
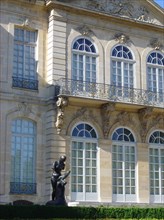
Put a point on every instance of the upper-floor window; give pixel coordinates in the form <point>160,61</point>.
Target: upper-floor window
<point>83,64</point>
<point>155,76</point>
<point>24,61</point>
<point>23,157</point>
<point>122,70</point>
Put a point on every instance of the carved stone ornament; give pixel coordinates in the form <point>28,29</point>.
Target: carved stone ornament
<point>123,8</point>
<point>124,118</point>
<point>129,9</point>
<point>121,38</point>
<point>27,24</point>
<point>60,103</point>
<point>84,30</point>
<point>144,116</point>
<point>157,121</point>
<point>156,44</point>
<point>84,114</point>
<point>106,112</point>
<point>24,109</point>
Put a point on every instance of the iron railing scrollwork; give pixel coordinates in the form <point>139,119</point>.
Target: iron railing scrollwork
<point>22,188</point>
<point>108,92</point>
<point>25,83</point>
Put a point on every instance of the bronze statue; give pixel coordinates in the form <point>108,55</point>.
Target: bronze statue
<point>58,182</point>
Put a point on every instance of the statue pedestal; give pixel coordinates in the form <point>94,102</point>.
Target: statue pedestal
<point>57,202</point>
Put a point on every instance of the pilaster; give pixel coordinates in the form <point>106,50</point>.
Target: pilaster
<point>105,170</point>
<point>56,47</point>
<point>143,172</point>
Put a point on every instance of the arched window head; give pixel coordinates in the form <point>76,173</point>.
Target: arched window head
<point>122,52</point>
<point>156,58</point>
<point>123,134</point>
<point>157,137</point>
<point>84,130</point>
<point>84,45</point>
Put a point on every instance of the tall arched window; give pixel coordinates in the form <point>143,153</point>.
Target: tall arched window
<point>156,166</point>
<point>155,76</point>
<point>123,166</point>
<point>122,76</point>
<point>84,163</point>
<point>83,64</point>
<point>23,153</point>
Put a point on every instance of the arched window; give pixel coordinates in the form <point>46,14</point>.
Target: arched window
<point>156,166</point>
<point>122,71</point>
<point>155,76</point>
<point>123,166</point>
<point>23,153</point>
<point>83,65</point>
<point>84,163</point>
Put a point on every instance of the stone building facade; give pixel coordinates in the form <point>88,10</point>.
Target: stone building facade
<point>84,79</point>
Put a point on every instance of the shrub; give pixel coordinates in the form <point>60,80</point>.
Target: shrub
<point>46,212</point>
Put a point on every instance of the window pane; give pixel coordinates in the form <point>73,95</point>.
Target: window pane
<point>23,156</point>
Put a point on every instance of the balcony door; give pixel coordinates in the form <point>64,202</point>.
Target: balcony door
<point>156,167</point>
<point>155,77</point>
<point>122,77</point>
<point>84,165</point>
<point>83,65</point>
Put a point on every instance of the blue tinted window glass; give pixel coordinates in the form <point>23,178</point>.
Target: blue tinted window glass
<point>123,134</point>
<point>84,130</point>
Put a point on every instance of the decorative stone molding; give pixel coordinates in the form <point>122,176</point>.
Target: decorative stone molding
<point>28,24</point>
<point>157,121</point>
<point>124,118</point>
<point>24,109</point>
<point>106,112</point>
<point>144,117</point>
<point>60,103</point>
<point>123,8</point>
<point>84,114</point>
<point>156,44</point>
<point>38,2</point>
<point>84,30</point>
<point>121,38</point>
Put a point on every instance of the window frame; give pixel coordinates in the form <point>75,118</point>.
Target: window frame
<point>85,195</point>
<point>156,171</point>
<point>124,145</point>
<point>23,157</point>
<point>27,61</point>
<point>84,82</point>
<point>154,90</point>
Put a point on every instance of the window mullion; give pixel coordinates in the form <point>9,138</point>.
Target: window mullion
<point>84,68</point>
<point>160,177</point>
<point>123,170</point>
<point>84,170</point>
<point>21,158</point>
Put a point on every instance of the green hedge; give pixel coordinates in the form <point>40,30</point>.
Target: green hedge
<point>45,212</point>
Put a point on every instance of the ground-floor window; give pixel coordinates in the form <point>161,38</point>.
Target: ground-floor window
<point>156,167</point>
<point>23,153</point>
<point>84,163</point>
<point>123,166</point>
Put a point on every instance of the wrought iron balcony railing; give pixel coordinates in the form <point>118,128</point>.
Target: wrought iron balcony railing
<point>22,188</point>
<point>108,92</point>
<point>25,83</point>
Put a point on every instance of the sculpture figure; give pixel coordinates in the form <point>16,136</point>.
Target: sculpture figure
<point>58,182</point>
